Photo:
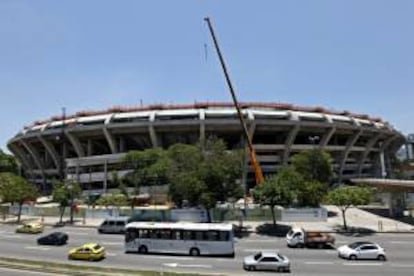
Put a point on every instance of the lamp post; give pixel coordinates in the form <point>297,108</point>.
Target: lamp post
<point>70,189</point>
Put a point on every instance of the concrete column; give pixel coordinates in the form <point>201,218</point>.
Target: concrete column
<point>50,150</point>
<point>202,118</point>
<point>290,140</point>
<point>75,143</point>
<point>350,143</point>
<point>151,130</point>
<point>365,154</point>
<point>108,135</point>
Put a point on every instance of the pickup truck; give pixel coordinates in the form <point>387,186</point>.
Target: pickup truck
<point>299,237</point>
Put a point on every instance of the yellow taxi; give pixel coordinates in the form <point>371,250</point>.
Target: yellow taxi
<point>30,228</point>
<point>88,251</point>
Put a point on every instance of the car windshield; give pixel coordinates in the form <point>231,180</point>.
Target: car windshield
<point>97,247</point>
<point>280,257</point>
<point>257,256</point>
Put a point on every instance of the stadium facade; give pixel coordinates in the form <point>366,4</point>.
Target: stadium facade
<point>90,145</point>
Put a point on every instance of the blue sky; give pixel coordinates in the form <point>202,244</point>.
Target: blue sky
<point>95,54</point>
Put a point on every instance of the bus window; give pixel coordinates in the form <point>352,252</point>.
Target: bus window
<point>131,235</point>
<point>212,236</point>
<point>199,235</point>
<point>176,235</point>
<point>165,234</point>
<point>188,235</point>
<point>224,236</point>
<point>143,233</point>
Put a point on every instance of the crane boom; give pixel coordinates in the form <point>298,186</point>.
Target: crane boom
<point>253,158</point>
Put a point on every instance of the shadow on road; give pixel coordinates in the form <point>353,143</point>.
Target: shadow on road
<point>269,229</point>
<point>354,231</point>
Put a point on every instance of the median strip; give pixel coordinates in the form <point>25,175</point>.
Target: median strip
<point>84,270</point>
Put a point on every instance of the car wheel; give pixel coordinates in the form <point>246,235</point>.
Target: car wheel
<point>352,257</point>
<point>91,259</point>
<point>252,268</point>
<point>280,269</point>
<point>300,245</point>
<point>143,249</point>
<point>381,258</point>
<point>320,245</point>
<point>194,252</point>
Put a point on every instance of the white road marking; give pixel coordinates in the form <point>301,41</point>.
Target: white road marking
<point>111,243</point>
<point>319,263</point>
<point>259,249</point>
<point>401,242</point>
<point>253,240</point>
<point>402,265</point>
<point>363,264</point>
<point>167,257</point>
<point>187,265</point>
<point>37,248</point>
<point>111,254</point>
<point>11,236</point>
<point>79,233</point>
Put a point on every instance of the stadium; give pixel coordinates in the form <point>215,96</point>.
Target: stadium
<point>89,145</point>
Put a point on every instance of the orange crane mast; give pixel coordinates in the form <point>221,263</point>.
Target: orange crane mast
<point>253,158</point>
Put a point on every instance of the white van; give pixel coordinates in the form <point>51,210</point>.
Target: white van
<point>113,225</point>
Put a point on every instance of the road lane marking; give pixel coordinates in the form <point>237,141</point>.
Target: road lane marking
<point>258,250</point>
<point>111,254</point>
<point>401,242</point>
<point>37,248</point>
<point>111,243</point>
<point>79,233</point>
<point>11,236</point>
<point>363,264</point>
<point>320,263</point>
<point>187,265</point>
<point>402,265</point>
<point>168,257</point>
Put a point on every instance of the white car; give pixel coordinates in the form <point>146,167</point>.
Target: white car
<point>362,250</point>
<point>267,260</point>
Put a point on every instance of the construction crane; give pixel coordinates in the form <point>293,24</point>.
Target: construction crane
<point>253,158</point>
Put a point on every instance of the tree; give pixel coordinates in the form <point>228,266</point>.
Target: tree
<point>63,193</point>
<point>315,168</point>
<point>204,175</point>
<point>7,163</point>
<point>16,189</point>
<point>347,196</point>
<point>115,199</point>
<point>313,165</point>
<point>274,191</point>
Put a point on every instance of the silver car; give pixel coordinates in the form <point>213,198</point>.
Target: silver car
<point>362,250</point>
<point>267,260</point>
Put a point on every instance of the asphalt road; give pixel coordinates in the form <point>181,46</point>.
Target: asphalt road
<point>399,249</point>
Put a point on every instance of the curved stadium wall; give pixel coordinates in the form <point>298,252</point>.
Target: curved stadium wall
<point>90,145</point>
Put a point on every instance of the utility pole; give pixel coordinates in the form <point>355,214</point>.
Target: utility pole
<point>69,186</point>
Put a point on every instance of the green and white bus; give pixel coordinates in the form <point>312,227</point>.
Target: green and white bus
<point>180,238</point>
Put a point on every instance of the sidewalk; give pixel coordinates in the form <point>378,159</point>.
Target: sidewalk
<point>358,221</point>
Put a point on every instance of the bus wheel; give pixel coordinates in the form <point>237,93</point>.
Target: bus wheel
<point>194,252</point>
<point>143,249</point>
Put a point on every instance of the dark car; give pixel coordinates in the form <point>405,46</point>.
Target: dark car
<point>55,238</point>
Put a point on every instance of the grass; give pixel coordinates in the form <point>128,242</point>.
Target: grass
<point>71,269</point>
